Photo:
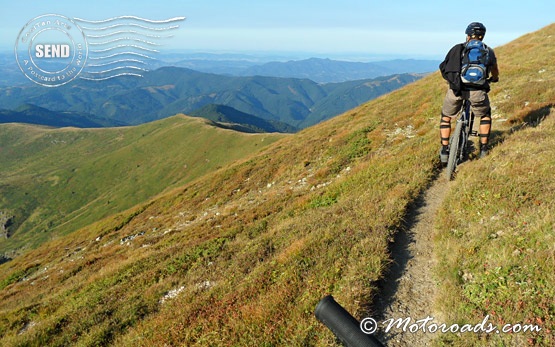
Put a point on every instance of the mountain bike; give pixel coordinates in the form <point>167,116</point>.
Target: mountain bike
<point>459,144</point>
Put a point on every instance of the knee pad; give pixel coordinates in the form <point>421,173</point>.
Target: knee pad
<point>445,122</point>
<point>485,120</point>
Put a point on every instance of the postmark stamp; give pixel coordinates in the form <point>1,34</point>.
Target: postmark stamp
<point>51,50</point>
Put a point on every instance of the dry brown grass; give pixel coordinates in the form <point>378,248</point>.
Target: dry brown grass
<point>253,246</point>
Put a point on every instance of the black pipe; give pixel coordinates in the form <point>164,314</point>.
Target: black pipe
<point>343,325</point>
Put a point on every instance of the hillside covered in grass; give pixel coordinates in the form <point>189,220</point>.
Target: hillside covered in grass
<point>54,181</point>
<point>242,255</point>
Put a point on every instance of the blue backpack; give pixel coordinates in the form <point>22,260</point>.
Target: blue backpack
<point>475,61</point>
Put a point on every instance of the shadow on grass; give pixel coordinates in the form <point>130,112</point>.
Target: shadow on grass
<point>532,119</point>
<point>4,259</point>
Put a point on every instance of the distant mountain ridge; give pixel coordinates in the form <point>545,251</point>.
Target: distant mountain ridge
<point>230,118</point>
<point>32,114</point>
<point>327,70</point>
<point>321,70</point>
<point>171,90</point>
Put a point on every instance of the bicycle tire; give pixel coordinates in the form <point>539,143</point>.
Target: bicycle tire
<point>454,150</point>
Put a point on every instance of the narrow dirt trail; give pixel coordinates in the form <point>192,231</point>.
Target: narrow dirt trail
<point>409,288</point>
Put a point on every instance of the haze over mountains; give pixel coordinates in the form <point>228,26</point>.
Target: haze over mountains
<point>284,92</point>
<point>321,70</point>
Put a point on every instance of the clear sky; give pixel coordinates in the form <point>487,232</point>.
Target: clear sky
<point>360,29</point>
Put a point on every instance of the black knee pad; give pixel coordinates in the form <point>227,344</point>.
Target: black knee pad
<point>445,122</point>
<point>485,120</point>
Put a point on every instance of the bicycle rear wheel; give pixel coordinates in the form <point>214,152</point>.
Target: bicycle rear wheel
<point>454,150</point>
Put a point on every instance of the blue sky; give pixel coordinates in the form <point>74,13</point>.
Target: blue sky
<point>356,29</point>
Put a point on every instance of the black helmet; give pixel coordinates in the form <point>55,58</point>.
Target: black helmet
<point>476,28</point>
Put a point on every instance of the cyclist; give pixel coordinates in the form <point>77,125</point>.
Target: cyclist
<point>458,91</point>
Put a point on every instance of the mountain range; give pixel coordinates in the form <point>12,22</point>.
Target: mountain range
<point>328,70</point>
<point>170,90</point>
<point>32,114</point>
<point>321,70</point>
<point>229,118</point>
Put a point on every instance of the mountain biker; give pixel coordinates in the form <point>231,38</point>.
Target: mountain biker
<point>458,91</point>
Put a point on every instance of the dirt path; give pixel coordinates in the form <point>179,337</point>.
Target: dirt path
<point>409,289</point>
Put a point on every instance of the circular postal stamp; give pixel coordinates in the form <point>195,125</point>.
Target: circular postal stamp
<point>51,50</point>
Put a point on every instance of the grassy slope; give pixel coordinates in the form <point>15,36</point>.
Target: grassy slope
<point>250,250</point>
<point>496,231</point>
<point>57,180</point>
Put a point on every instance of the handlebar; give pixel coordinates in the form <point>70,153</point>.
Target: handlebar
<point>344,326</point>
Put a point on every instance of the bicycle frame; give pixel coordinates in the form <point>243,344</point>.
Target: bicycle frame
<point>458,144</point>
